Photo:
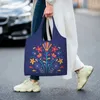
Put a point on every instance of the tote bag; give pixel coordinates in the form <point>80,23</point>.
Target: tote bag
<point>45,58</point>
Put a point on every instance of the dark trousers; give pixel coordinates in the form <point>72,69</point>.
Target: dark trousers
<point>38,14</point>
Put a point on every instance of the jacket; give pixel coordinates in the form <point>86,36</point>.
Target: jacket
<point>65,22</point>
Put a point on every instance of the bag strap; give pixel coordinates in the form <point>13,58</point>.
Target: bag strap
<point>52,31</point>
<point>42,30</point>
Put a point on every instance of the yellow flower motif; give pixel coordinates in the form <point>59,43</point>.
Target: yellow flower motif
<point>59,70</point>
<point>34,70</point>
<point>32,61</point>
<point>60,61</point>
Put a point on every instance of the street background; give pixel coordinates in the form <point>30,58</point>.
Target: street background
<point>56,88</point>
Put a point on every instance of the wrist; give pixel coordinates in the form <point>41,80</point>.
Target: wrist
<point>48,4</point>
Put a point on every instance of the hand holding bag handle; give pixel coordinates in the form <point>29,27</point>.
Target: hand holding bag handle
<point>39,32</point>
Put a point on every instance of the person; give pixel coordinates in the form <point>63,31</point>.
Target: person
<point>63,13</point>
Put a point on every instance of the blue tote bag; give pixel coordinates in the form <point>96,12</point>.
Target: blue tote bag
<point>45,58</point>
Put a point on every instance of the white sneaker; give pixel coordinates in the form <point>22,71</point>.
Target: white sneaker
<point>27,86</point>
<point>83,76</point>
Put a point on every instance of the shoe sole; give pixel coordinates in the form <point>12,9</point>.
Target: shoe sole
<point>86,80</point>
<point>27,91</point>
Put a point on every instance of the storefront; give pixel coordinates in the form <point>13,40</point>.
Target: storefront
<point>78,3</point>
<point>94,5</point>
<point>89,4</point>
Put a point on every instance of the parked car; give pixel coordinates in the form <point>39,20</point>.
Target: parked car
<point>15,19</point>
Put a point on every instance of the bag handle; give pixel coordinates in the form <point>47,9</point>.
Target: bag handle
<point>40,31</point>
<point>52,31</point>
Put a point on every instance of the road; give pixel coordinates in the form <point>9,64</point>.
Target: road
<point>55,88</point>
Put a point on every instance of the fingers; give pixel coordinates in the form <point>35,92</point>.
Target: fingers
<point>48,14</point>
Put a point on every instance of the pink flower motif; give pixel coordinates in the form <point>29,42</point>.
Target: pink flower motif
<point>39,49</point>
<point>54,49</point>
<point>62,67</point>
<point>53,55</point>
<point>48,54</point>
<point>30,67</point>
<point>39,55</point>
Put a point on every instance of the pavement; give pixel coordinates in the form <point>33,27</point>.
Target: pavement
<point>88,11</point>
<point>55,88</point>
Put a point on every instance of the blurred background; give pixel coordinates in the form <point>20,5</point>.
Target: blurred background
<point>89,4</point>
<point>16,17</point>
<point>15,28</point>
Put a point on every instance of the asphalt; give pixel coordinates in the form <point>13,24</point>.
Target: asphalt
<point>55,88</point>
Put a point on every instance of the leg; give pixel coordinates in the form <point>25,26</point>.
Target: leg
<point>83,73</point>
<point>35,78</point>
<point>38,13</point>
<point>78,64</point>
<point>32,83</point>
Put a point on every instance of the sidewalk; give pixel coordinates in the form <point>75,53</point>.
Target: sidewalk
<point>87,11</point>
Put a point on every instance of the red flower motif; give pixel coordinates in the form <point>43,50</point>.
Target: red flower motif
<point>30,67</point>
<point>53,55</point>
<point>62,67</point>
<point>39,49</point>
<point>39,55</point>
<point>54,49</point>
<point>48,54</point>
<point>44,58</point>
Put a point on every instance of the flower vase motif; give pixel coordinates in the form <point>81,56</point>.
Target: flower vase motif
<point>46,58</point>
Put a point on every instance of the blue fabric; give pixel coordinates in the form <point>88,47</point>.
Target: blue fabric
<point>45,58</point>
<point>54,66</point>
<point>38,13</point>
<point>36,78</point>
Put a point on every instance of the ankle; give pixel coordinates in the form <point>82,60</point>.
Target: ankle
<point>34,81</point>
<point>78,70</point>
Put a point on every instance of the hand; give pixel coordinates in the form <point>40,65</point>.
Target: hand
<point>48,12</point>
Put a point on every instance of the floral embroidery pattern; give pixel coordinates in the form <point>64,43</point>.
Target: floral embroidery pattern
<point>46,58</point>
<point>53,55</point>
<point>60,61</point>
<point>39,49</point>
<point>54,49</point>
<point>32,61</point>
<point>39,55</point>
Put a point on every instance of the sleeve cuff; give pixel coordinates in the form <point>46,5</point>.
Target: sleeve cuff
<point>50,1</point>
